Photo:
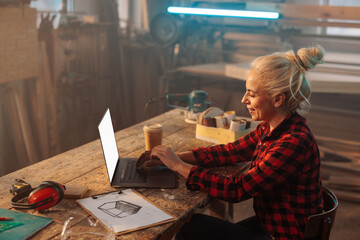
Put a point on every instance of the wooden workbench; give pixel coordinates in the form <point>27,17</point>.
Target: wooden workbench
<point>85,166</point>
<point>327,78</point>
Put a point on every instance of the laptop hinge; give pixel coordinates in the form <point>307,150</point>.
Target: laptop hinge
<point>114,180</point>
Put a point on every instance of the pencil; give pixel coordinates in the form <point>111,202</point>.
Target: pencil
<point>6,218</point>
<point>101,194</point>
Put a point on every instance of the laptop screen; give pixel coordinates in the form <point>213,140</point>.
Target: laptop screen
<point>108,142</point>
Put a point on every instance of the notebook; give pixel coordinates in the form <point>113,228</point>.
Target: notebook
<point>122,172</point>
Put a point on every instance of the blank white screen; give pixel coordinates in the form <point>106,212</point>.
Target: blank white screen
<point>108,142</point>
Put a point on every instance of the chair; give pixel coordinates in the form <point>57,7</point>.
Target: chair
<point>319,225</point>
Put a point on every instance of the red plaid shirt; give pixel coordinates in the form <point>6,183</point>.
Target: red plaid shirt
<point>284,176</point>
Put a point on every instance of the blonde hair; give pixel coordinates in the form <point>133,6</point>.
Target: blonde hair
<point>286,73</point>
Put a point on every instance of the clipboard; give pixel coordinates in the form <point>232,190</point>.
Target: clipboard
<point>126,212</point>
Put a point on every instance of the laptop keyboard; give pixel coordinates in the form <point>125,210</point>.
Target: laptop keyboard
<point>131,174</point>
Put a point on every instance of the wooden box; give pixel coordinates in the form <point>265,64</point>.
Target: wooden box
<point>220,135</point>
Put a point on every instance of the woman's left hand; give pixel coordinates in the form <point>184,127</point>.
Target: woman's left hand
<point>171,160</point>
<point>167,156</point>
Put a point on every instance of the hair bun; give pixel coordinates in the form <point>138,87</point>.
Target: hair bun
<point>311,56</point>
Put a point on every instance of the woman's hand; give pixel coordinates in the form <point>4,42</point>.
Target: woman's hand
<point>147,160</point>
<point>161,155</point>
<point>167,156</point>
<point>171,160</point>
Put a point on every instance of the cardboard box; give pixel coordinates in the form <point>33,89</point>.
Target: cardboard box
<point>220,135</point>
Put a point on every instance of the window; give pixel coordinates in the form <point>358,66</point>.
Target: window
<point>48,7</point>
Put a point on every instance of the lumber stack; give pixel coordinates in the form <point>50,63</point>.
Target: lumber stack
<point>19,69</point>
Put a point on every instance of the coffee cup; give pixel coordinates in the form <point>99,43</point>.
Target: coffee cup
<point>153,135</point>
<point>230,115</point>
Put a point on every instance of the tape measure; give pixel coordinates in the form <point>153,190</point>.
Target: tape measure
<point>19,186</point>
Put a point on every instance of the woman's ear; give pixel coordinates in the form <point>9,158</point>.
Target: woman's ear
<point>278,100</point>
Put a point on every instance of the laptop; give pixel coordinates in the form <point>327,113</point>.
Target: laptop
<point>122,172</point>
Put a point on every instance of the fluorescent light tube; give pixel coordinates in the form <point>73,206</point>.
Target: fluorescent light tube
<point>223,12</point>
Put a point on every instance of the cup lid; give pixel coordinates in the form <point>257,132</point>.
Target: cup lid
<point>229,112</point>
<point>153,128</point>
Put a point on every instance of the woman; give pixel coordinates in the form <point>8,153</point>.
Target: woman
<point>284,176</point>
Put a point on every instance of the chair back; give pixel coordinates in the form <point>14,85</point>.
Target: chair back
<point>319,225</point>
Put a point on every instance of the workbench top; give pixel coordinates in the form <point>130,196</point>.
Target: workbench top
<point>85,166</point>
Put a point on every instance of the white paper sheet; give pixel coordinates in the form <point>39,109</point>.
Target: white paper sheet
<point>125,211</point>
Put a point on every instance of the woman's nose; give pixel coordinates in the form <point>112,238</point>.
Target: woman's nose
<point>244,99</point>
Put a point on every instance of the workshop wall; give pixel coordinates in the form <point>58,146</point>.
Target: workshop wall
<point>74,73</point>
<point>18,44</point>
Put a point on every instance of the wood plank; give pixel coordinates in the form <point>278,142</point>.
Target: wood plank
<point>313,23</point>
<point>26,130</point>
<point>50,93</point>
<point>4,165</point>
<point>145,15</point>
<point>319,11</point>
<point>15,126</point>
<point>217,69</point>
<point>288,10</point>
<point>320,81</point>
<point>38,108</point>
<point>254,37</point>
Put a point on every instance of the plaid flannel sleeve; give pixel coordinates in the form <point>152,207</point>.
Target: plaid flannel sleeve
<point>239,151</point>
<point>283,161</point>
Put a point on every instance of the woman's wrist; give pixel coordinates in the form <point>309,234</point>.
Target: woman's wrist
<point>183,169</point>
<point>187,157</point>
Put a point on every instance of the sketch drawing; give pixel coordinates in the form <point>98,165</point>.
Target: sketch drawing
<point>128,211</point>
<point>119,209</point>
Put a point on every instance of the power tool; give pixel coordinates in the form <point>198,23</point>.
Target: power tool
<point>192,103</point>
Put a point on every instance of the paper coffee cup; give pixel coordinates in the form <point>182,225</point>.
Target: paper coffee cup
<point>230,115</point>
<point>153,135</point>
